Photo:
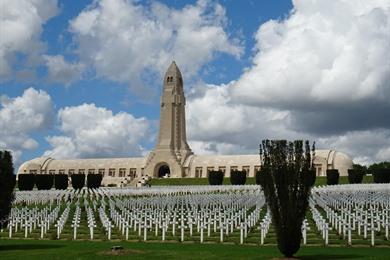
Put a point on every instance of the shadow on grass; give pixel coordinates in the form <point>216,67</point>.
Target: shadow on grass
<point>28,247</point>
<point>316,257</point>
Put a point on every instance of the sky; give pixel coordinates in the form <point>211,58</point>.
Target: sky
<point>82,79</point>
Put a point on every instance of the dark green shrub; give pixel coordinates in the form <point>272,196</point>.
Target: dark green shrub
<point>354,176</point>
<point>285,179</point>
<point>237,177</point>
<point>94,180</point>
<point>78,180</point>
<point>215,177</point>
<point>332,177</point>
<point>44,181</point>
<point>26,181</point>
<point>7,185</point>
<point>61,181</point>
<point>381,175</point>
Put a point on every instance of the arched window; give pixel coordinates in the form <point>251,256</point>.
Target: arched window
<point>169,79</point>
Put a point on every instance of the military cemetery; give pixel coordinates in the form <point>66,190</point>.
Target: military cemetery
<point>338,215</point>
<point>194,129</point>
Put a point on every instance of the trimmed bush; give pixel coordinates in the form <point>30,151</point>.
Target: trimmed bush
<point>61,181</point>
<point>215,177</point>
<point>237,177</point>
<point>78,181</point>
<point>44,181</point>
<point>26,181</point>
<point>332,177</point>
<point>381,175</point>
<point>354,176</point>
<point>94,180</point>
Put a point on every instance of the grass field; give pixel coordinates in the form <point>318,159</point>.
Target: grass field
<point>203,181</point>
<point>46,249</point>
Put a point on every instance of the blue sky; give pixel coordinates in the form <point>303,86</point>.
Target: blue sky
<point>83,78</point>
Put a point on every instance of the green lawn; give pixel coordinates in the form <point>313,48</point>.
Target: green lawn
<point>47,249</point>
<point>204,181</point>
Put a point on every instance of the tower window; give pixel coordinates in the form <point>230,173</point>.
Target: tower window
<point>169,79</point>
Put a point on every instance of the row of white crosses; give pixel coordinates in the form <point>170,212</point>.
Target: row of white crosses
<point>62,220</point>
<point>179,212</point>
<point>76,220</point>
<point>30,218</point>
<point>105,220</point>
<point>90,218</point>
<point>319,221</point>
<point>42,197</point>
<point>200,210</point>
<point>47,220</point>
<point>355,207</point>
<point>264,226</point>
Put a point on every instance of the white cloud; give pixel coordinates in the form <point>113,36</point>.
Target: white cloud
<point>22,116</point>
<point>324,52</point>
<point>91,131</point>
<point>21,25</point>
<point>210,148</point>
<point>218,125</point>
<point>130,43</point>
<point>61,71</point>
<point>321,74</point>
<point>213,117</point>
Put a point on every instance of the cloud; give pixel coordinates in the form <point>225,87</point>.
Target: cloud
<point>129,43</point>
<point>364,147</point>
<point>21,27</point>
<point>61,71</point>
<point>22,116</point>
<point>328,63</point>
<point>322,73</point>
<point>324,52</point>
<point>91,131</point>
<point>213,116</point>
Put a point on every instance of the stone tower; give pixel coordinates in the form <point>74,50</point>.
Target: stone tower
<point>172,148</point>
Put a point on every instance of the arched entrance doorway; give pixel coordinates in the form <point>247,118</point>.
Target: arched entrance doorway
<point>163,170</point>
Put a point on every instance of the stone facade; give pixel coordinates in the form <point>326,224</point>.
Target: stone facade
<point>172,155</point>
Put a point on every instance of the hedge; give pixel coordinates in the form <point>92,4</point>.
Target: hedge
<point>78,180</point>
<point>26,181</point>
<point>355,176</point>
<point>44,181</point>
<point>237,177</point>
<point>94,180</point>
<point>215,177</point>
<point>381,175</point>
<point>332,177</point>
<point>61,181</point>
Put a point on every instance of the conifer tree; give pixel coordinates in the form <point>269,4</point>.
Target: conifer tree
<point>286,178</point>
<point>7,185</point>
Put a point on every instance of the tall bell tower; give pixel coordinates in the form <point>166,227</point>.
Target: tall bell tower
<point>172,148</point>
